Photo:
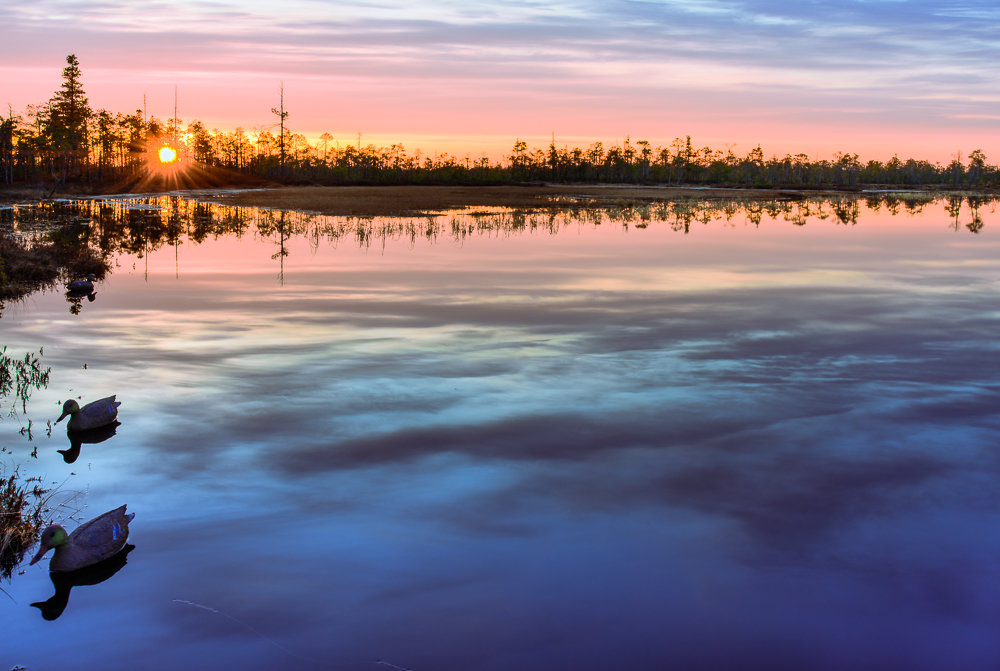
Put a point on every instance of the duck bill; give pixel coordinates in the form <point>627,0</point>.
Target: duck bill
<point>38,555</point>
<point>61,417</point>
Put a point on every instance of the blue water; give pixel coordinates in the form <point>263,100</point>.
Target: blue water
<point>501,442</point>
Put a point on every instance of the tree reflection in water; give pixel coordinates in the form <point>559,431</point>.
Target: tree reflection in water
<point>141,225</point>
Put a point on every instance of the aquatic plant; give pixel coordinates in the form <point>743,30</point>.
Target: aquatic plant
<point>21,376</point>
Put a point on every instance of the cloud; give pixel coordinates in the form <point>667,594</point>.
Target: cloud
<point>787,74</point>
<point>869,41</point>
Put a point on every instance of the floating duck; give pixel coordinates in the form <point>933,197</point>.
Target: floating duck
<point>91,416</point>
<point>82,286</point>
<point>90,543</point>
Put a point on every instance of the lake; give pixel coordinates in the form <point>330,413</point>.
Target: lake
<point>697,436</point>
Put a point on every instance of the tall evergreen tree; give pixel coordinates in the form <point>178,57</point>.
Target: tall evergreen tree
<point>69,111</point>
<point>7,147</point>
<point>69,107</point>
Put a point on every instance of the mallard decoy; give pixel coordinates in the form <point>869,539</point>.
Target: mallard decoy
<point>82,286</point>
<point>90,543</point>
<point>90,416</point>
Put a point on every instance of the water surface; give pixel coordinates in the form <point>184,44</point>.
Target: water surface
<point>731,436</point>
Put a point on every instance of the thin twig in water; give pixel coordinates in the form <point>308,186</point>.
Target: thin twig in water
<point>391,665</point>
<point>241,623</point>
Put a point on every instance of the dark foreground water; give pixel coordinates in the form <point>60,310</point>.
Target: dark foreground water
<point>506,442</point>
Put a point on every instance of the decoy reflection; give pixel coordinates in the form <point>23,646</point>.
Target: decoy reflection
<point>90,436</point>
<point>77,290</point>
<point>54,606</point>
<point>75,300</point>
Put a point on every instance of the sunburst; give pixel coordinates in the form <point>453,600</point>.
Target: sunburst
<point>167,154</point>
<point>166,161</point>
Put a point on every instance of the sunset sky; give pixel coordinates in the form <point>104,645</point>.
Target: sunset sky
<point>875,77</point>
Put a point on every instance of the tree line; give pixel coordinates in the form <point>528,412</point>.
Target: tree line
<point>64,140</point>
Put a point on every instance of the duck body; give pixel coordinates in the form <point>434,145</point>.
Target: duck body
<point>90,543</point>
<point>82,286</point>
<point>91,416</point>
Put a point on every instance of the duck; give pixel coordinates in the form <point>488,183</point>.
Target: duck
<point>91,416</point>
<point>83,286</point>
<point>90,543</point>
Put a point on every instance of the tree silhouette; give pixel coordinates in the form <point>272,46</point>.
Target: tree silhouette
<point>68,112</point>
<point>65,140</point>
<point>282,115</point>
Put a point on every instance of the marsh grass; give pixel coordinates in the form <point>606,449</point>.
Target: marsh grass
<point>25,508</point>
<point>22,506</point>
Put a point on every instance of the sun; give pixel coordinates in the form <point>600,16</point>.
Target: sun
<point>167,161</point>
<point>167,154</point>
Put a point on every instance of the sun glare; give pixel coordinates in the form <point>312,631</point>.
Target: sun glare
<point>167,154</point>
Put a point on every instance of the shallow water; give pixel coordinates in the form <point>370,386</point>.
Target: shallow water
<point>729,437</point>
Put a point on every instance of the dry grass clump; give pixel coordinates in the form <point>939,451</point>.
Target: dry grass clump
<point>21,506</point>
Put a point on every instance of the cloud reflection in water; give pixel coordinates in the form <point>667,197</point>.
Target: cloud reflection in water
<point>585,450</point>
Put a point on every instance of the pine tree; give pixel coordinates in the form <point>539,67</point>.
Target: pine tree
<point>69,111</point>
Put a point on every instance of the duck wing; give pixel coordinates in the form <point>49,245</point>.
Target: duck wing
<point>99,413</point>
<point>99,538</point>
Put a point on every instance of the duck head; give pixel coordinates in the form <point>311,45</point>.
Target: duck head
<point>52,537</point>
<point>70,407</point>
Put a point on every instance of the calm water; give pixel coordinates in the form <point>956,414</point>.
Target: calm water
<point>707,438</point>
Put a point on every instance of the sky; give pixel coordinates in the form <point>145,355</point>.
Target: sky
<point>872,77</point>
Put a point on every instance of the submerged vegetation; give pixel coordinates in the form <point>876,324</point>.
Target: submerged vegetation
<point>19,377</point>
<point>64,141</point>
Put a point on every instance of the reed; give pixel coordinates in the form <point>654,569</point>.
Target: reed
<point>22,506</point>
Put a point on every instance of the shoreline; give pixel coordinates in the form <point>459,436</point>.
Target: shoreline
<point>408,200</point>
<point>416,200</point>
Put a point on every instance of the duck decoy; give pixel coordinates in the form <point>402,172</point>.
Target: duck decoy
<point>91,416</point>
<point>83,286</point>
<point>90,543</point>
<point>54,606</point>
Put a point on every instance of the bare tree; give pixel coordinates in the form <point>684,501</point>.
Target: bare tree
<point>282,115</point>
